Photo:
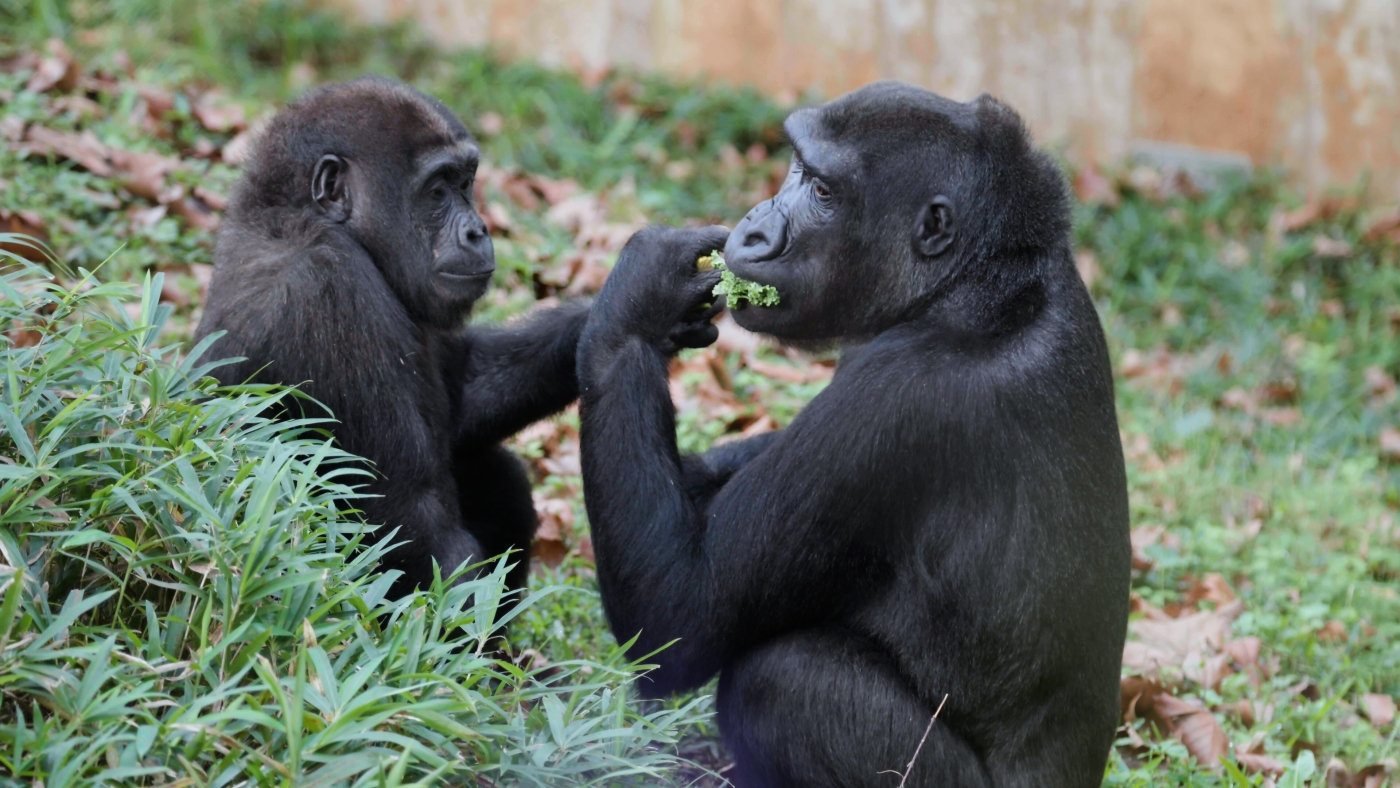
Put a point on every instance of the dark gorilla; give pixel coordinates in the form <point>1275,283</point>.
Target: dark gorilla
<point>348,259</point>
<point>948,518</point>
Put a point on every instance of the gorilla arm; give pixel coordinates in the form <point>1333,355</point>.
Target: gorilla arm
<point>511,377</point>
<point>773,548</point>
<point>721,568</point>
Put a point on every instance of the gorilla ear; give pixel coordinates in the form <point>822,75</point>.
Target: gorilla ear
<point>330,188</point>
<point>936,228</point>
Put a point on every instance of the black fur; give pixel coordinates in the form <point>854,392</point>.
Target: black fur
<point>347,263</point>
<point>949,517</point>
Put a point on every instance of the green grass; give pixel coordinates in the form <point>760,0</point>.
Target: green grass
<point>1248,400</point>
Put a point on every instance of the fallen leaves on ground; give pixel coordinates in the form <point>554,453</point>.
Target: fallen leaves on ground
<point>1183,646</point>
<point>1379,709</point>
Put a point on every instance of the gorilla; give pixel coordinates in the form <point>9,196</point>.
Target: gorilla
<point>947,521</point>
<point>347,261</point>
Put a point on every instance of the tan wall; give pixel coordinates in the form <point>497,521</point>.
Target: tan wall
<point>1310,84</point>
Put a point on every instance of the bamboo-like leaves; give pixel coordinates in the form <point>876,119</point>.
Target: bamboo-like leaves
<point>182,594</point>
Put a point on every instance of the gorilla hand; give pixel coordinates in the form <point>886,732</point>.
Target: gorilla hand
<point>656,294</point>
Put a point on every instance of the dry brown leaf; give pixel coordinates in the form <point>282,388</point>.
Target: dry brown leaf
<point>1378,381</point>
<point>23,223</point>
<point>1332,632</point>
<point>171,293</point>
<point>1136,604</point>
<point>1241,710</point>
<point>785,373</point>
<point>1324,246</point>
<point>491,123</point>
<point>497,218</point>
<point>1282,417</point>
<point>143,174</point>
<point>1195,727</point>
<point>196,213</point>
<point>1245,651</point>
<point>554,192</point>
<point>1237,398</point>
<point>1390,443</point>
<point>1386,225</point>
<point>1305,688</point>
<point>1137,694</point>
<point>211,198</point>
<point>1214,588</point>
<point>60,69</point>
<point>563,460</point>
<point>12,128</point>
<point>589,276</point>
<point>556,518</point>
<point>1087,263</point>
<point>1373,776</point>
<point>145,218</point>
<point>1185,642</point>
<point>52,508</point>
<point>1309,212</point>
<point>83,149</point>
<point>1092,188</point>
<point>521,193</point>
<point>762,424</point>
<point>236,150</point>
<point>1143,538</point>
<point>1254,763</point>
<point>1380,709</point>
<point>24,337</point>
<point>215,113</point>
<point>158,100</point>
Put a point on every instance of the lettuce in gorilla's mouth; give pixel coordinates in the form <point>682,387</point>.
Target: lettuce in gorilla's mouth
<point>738,290</point>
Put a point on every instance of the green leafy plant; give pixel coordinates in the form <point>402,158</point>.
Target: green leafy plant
<point>183,594</point>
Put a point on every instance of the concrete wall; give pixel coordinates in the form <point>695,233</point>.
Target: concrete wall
<point>1310,84</point>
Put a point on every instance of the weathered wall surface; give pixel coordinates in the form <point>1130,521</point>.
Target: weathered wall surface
<point>1310,84</point>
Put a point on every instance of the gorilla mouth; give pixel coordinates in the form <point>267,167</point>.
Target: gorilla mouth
<point>456,277</point>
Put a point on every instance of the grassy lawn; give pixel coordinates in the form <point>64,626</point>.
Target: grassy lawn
<point>1254,338</point>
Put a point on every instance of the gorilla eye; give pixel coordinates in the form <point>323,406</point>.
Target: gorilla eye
<point>439,192</point>
<point>821,189</point>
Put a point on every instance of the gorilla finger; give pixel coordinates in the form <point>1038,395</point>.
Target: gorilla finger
<point>695,336</point>
<point>704,240</point>
<point>713,310</point>
<point>702,283</point>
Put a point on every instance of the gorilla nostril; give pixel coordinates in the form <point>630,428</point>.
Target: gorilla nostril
<point>755,239</point>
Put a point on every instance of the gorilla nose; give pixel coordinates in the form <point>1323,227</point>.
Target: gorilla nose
<point>762,235</point>
<point>473,233</point>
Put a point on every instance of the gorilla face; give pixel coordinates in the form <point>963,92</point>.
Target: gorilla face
<point>419,226</point>
<point>853,238</point>
<point>795,240</point>
<point>463,258</point>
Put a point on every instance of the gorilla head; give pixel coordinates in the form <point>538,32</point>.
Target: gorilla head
<point>895,197</point>
<point>394,169</point>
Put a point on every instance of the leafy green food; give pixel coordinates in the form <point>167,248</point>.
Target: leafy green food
<point>738,290</point>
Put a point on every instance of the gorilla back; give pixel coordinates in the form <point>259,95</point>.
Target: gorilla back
<point>348,260</point>
<point>948,518</point>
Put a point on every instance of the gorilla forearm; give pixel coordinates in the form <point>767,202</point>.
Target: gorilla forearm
<point>514,376</point>
<point>706,473</point>
<point>654,579</point>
